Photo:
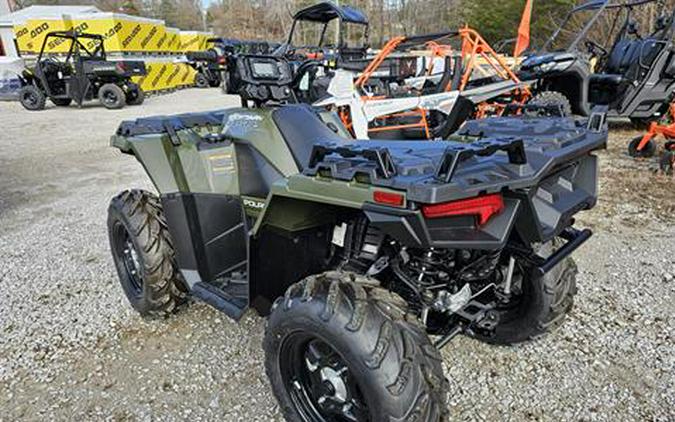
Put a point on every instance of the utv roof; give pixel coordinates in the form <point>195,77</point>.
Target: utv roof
<point>611,4</point>
<point>327,11</point>
<point>74,34</point>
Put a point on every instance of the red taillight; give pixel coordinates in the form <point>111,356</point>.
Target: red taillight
<point>388,198</point>
<point>221,60</point>
<point>483,207</point>
<point>120,67</point>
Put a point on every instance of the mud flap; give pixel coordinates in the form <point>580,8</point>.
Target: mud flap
<point>210,236</point>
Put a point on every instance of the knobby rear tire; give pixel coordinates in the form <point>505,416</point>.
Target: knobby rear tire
<point>399,371</point>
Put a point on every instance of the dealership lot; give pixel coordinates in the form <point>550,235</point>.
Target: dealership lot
<point>72,348</point>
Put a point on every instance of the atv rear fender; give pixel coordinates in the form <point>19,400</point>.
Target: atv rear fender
<point>541,195</point>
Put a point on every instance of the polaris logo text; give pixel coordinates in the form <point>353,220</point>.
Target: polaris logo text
<point>249,203</point>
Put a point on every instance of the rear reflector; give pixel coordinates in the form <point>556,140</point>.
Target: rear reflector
<point>388,198</point>
<point>483,207</point>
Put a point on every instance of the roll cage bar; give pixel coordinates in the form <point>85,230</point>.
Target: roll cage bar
<point>326,12</point>
<point>600,6</point>
<point>76,45</point>
<point>473,48</point>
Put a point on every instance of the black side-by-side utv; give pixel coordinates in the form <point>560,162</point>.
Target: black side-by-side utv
<point>632,71</point>
<point>83,74</point>
<point>360,252</point>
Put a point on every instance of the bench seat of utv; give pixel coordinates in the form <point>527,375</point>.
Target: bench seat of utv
<point>624,66</point>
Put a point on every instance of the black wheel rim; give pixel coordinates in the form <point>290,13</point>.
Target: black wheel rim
<point>128,257</point>
<point>30,98</point>
<point>109,97</point>
<point>319,382</point>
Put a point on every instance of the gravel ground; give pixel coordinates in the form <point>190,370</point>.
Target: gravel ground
<point>72,349</point>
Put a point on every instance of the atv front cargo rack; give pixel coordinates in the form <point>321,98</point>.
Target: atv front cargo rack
<point>379,156</point>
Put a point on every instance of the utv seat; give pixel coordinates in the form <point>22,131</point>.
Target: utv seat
<point>625,65</point>
<point>301,127</point>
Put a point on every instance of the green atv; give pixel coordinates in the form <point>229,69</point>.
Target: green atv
<point>367,256</point>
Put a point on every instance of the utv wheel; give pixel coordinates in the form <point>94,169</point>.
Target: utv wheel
<point>143,254</point>
<point>61,102</point>
<point>340,349</point>
<point>541,307</point>
<point>647,151</point>
<point>111,96</point>
<point>553,99</point>
<point>224,84</point>
<point>135,96</point>
<point>201,81</point>
<point>667,162</point>
<point>32,98</point>
<point>642,123</point>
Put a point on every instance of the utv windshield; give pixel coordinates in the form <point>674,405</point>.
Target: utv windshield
<point>599,22</point>
<point>326,25</point>
<point>312,34</point>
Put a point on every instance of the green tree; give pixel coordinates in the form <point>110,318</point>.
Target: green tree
<point>498,21</point>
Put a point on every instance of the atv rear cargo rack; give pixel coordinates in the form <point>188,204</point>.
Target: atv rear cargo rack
<point>455,154</point>
<point>385,166</point>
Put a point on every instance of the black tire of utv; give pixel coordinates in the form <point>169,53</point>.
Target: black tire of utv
<point>32,98</point>
<point>552,98</point>
<point>648,151</point>
<point>136,97</point>
<point>112,96</point>
<point>61,102</point>
<point>546,303</point>
<point>225,83</point>
<point>667,162</point>
<point>140,214</point>
<point>201,81</point>
<point>642,123</point>
<point>399,371</point>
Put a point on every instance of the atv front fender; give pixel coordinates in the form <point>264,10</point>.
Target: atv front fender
<point>121,143</point>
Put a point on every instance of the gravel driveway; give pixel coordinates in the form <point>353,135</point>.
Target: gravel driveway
<point>72,349</point>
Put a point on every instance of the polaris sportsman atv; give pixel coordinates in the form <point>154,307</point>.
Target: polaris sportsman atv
<point>84,74</point>
<point>631,72</point>
<point>360,253</point>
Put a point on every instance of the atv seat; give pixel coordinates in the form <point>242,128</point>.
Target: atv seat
<point>626,62</point>
<point>301,128</point>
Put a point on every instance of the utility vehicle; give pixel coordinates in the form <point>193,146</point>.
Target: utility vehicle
<point>210,65</point>
<point>358,252</point>
<point>327,31</point>
<point>426,90</point>
<point>629,69</point>
<point>83,74</point>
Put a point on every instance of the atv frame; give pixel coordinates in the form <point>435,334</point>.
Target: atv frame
<point>83,74</point>
<point>475,82</point>
<point>632,74</point>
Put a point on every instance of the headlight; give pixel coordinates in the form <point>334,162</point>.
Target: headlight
<point>547,67</point>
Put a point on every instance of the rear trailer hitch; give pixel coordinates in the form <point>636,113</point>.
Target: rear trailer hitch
<point>575,238</point>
